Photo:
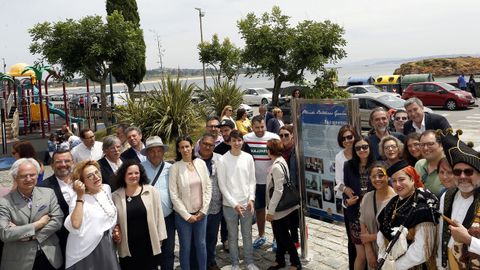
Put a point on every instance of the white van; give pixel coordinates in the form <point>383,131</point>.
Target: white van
<point>119,99</point>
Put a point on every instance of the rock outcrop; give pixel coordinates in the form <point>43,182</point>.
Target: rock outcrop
<point>441,67</point>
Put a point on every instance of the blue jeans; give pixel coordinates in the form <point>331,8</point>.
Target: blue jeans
<point>167,257</point>
<point>232,218</point>
<point>187,232</point>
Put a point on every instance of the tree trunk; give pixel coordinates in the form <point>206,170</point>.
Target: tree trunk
<point>131,88</point>
<point>103,101</point>
<point>276,90</point>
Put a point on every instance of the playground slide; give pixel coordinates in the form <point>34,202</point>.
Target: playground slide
<point>55,110</point>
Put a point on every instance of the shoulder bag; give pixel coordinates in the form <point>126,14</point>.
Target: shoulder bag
<point>290,196</point>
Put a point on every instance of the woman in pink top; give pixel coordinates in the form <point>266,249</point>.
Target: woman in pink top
<point>190,191</point>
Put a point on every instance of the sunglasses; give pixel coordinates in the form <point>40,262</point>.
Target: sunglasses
<point>364,147</point>
<point>284,135</point>
<point>347,138</point>
<point>458,172</point>
<point>403,118</point>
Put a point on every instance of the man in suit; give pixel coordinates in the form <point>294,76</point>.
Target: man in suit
<point>134,138</point>
<point>262,110</point>
<point>420,120</point>
<point>112,160</point>
<point>61,183</point>
<point>29,218</point>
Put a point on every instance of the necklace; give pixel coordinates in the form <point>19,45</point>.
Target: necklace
<point>129,198</point>
<point>110,214</point>
<point>395,210</point>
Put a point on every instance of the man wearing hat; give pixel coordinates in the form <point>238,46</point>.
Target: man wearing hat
<point>460,204</point>
<point>226,127</point>
<point>157,171</point>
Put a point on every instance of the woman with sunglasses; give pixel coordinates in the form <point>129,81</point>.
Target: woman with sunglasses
<point>414,208</point>
<point>399,119</point>
<point>390,149</point>
<point>372,203</point>
<point>412,152</point>
<point>227,113</point>
<point>356,178</point>
<point>346,136</point>
<point>91,221</point>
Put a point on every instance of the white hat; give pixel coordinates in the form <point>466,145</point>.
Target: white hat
<point>153,141</point>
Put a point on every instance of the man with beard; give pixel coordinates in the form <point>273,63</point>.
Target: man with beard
<point>427,167</point>
<point>460,204</point>
<point>379,122</point>
<point>61,183</point>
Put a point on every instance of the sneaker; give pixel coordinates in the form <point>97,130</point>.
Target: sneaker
<point>260,241</point>
<point>235,267</point>
<point>225,246</point>
<point>252,267</point>
<point>274,245</point>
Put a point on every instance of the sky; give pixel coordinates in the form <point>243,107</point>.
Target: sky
<point>374,29</point>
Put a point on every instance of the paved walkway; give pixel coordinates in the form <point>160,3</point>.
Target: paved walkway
<point>327,243</point>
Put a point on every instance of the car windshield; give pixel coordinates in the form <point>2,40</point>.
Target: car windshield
<point>392,101</point>
<point>372,89</point>
<point>448,86</point>
<point>263,91</point>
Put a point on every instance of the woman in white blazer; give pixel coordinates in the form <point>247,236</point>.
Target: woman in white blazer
<point>190,192</point>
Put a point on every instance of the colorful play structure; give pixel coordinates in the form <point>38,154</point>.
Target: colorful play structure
<point>24,106</point>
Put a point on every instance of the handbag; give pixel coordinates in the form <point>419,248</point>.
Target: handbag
<point>290,196</point>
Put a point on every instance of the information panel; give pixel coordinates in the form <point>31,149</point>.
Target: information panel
<point>317,123</point>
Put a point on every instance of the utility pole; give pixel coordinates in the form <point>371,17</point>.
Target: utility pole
<point>4,66</point>
<point>200,15</point>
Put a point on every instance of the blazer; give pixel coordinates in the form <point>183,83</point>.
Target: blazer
<point>51,182</point>
<point>273,125</point>
<point>17,253</point>
<point>179,187</point>
<point>107,172</point>
<point>130,154</point>
<point>156,223</point>
<point>432,121</point>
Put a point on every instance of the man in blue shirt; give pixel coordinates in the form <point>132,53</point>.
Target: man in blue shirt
<point>157,171</point>
<point>462,84</point>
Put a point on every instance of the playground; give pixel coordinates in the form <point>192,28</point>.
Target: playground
<point>30,112</point>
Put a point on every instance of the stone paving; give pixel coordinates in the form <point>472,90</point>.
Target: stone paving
<point>326,244</point>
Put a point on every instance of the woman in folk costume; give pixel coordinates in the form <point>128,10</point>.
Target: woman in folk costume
<point>459,248</point>
<point>412,212</point>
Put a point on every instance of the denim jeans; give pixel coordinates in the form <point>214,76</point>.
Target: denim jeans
<point>213,224</point>
<point>187,232</point>
<point>167,257</point>
<point>232,218</point>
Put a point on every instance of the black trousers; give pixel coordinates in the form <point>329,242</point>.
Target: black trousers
<point>42,263</point>
<point>281,232</point>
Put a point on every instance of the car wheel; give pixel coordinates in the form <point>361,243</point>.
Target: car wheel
<point>264,101</point>
<point>451,104</point>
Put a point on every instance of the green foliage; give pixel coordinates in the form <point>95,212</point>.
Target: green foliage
<point>224,58</point>
<point>275,49</point>
<point>325,87</point>
<point>220,95</point>
<point>166,112</point>
<point>129,61</point>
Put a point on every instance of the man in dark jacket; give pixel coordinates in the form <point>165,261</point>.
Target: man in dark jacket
<point>421,121</point>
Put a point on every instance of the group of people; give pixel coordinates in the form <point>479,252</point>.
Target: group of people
<point>118,204</point>
<point>409,193</point>
<point>469,85</point>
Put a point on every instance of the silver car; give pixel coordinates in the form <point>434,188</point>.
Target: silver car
<point>257,96</point>
<point>368,88</point>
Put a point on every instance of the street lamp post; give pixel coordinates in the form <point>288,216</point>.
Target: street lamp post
<point>109,63</point>
<point>200,15</point>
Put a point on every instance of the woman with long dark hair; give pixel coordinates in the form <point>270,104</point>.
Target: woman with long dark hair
<point>357,179</point>
<point>140,218</point>
<point>412,152</point>
<point>190,191</point>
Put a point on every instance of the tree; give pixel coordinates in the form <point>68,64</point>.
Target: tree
<point>224,59</point>
<point>284,53</point>
<point>128,66</point>
<point>84,46</point>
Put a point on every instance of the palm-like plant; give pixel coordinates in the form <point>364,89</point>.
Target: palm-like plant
<point>220,95</point>
<point>166,112</point>
<point>38,69</point>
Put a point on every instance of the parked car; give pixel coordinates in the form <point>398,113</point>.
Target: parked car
<point>362,89</point>
<point>439,94</point>
<point>369,101</point>
<point>257,96</point>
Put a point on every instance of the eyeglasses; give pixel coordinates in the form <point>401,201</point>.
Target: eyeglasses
<point>347,138</point>
<point>467,172</point>
<point>403,118</point>
<point>414,145</point>
<point>390,147</point>
<point>207,145</point>
<point>284,135</point>
<point>93,176</point>
<point>364,147</point>
<point>427,144</point>
<point>24,177</point>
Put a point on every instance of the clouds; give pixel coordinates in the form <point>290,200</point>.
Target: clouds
<point>373,29</point>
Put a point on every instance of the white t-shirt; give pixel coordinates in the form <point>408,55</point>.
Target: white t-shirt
<point>81,152</point>
<point>258,148</point>
<point>340,160</point>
